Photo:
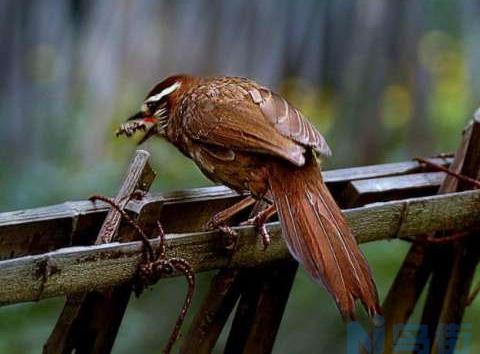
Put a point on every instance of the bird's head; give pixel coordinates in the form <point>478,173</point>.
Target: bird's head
<point>156,109</point>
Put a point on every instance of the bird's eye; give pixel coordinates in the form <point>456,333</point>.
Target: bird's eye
<point>151,106</point>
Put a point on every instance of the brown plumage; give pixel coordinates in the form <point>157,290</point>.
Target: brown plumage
<point>249,138</point>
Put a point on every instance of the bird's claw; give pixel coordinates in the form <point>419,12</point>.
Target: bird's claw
<point>231,236</point>
<point>228,231</point>
<point>260,226</point>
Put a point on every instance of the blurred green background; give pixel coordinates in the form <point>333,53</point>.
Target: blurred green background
<point>383,80</point>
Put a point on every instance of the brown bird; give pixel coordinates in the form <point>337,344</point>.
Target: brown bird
<point>249,138</point>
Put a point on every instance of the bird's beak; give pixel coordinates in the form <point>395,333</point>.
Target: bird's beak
<point>139,121</point>
<point>150,132</point>
<point>138,115</point>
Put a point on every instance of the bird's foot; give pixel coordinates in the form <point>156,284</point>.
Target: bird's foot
<point>220,220</point>
<point>260,223</point>
<point>216,223</point>
<point>261,228</point>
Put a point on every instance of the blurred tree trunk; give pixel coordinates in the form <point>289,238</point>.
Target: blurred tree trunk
<point>359,116</point>
<point>471,30</point>
<point>419,133</point>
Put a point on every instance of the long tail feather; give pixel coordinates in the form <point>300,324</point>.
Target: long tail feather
<point>319,237</point>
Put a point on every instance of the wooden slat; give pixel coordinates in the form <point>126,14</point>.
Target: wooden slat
<point>366,191</point>
<point>40,230</point>
<point>77,269</point>
<point>214,312</point>
<point>35,231</point>
<point>264,296</point>
<point>373,171</point>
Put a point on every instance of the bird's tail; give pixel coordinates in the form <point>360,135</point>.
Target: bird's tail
<point>319,237</point>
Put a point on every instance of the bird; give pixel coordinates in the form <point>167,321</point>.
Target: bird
<point>245,136</point>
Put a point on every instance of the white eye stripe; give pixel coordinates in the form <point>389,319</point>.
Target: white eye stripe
<point>164,92</point>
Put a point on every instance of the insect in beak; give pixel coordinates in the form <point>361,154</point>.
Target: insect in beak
<point>139,121</point>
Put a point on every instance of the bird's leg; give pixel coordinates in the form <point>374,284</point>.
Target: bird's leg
<point>219,220</point>
<point>260,220</point>
<point>223,216</point>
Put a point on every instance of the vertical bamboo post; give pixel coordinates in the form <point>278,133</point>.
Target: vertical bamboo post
<point>89,322</point>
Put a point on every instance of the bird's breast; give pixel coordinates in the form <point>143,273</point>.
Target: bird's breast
<point>239,170</point>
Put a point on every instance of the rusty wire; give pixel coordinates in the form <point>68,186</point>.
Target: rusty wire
<point>156,265</point>
<point>143,237</point>
<point>447,171</point>
<point>429,239</point>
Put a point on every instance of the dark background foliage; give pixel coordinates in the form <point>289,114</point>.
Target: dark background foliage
<point>383,80</point>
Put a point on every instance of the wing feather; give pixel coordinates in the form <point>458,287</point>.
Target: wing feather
<point>249,117</point>
<point>289,121</point>
<point>240,125</point>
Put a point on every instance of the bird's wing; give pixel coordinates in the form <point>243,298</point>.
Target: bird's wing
<point>239,124</point>
<point>259,120</point>
<point>289,121</point>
